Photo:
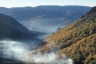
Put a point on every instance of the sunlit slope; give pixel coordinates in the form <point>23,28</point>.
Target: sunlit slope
<point>77,40</point>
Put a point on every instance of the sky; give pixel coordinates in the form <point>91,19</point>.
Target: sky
<point>34,3</point>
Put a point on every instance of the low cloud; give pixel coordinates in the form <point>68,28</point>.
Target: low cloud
<point>46,58</point>
<point>15,50</point>
<point>12,49</point>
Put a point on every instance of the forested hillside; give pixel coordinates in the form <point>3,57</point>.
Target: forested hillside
<point>77,40</point>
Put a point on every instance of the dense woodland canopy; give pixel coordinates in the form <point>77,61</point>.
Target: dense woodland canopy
<point>76,40</point>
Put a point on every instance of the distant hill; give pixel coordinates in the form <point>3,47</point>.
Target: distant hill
<point>35,18</point>
<point>64,8</point>
<point>77,40</point>
<point>26,13</point>
<point>11,29</point>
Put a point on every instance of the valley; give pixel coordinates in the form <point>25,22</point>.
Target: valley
<point>48,35</point>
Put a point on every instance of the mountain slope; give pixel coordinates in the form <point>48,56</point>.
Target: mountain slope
<point>11,29</point>
<point>77,40</point>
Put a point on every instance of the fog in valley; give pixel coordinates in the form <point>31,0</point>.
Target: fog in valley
<point>43,25</point>
<point>15,50</point>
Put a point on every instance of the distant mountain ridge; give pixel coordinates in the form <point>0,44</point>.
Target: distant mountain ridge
<point>41,10</point>
<point>34,18</point>
<point>64,8</point>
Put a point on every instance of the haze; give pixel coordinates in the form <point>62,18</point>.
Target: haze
<point>33,3</point>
